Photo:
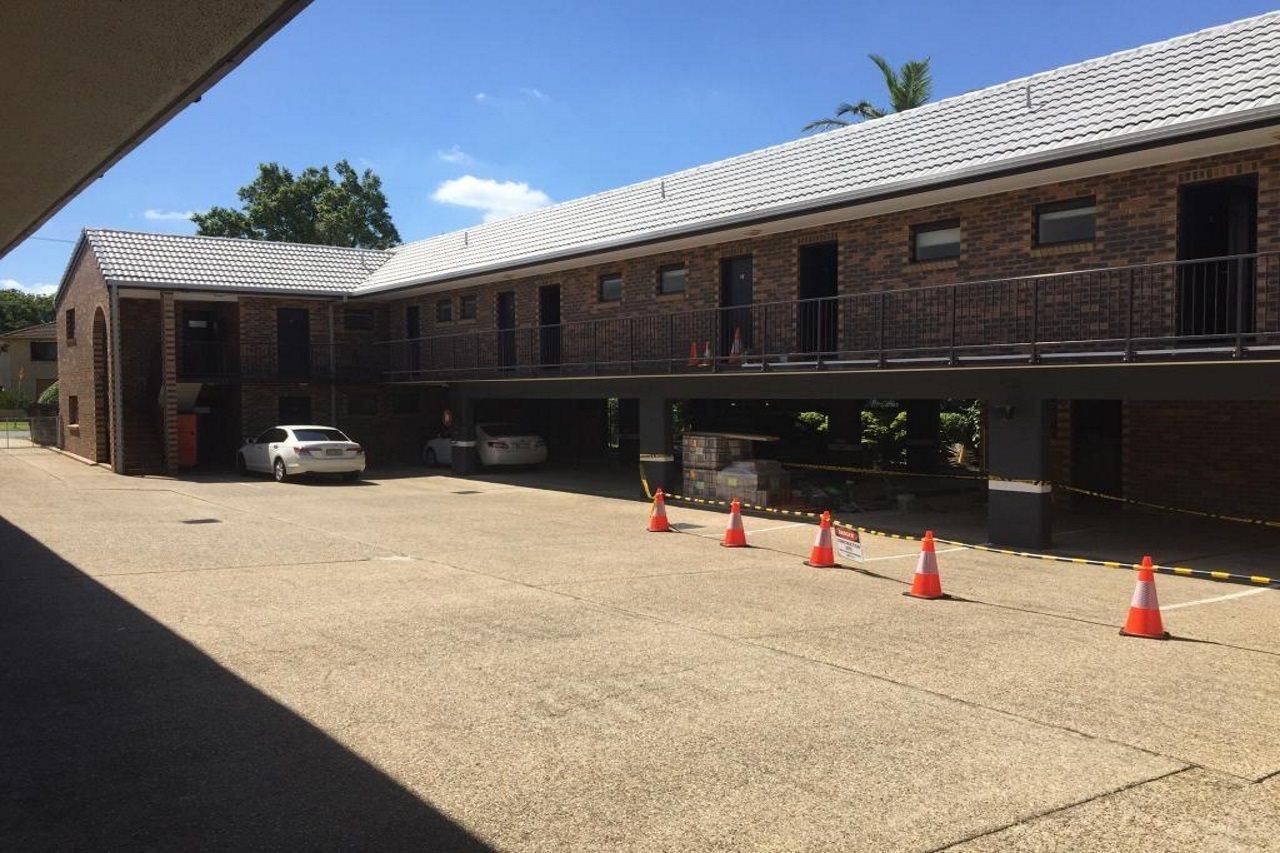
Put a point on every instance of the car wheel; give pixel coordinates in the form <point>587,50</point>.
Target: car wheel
<point>429,458</point>
<point>278,470</point>
<point>241,468</point>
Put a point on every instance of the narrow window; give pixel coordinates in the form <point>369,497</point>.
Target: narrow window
<point>71,324</point>
<point>611,288</point>
<point>357,320</point>
<point>73,410</point>
<point>444,311</point>
<point>44,351</point>
<point>467,307</point>
<point>935,241</point>
<point>1072,221</point>
<point>673,279</point>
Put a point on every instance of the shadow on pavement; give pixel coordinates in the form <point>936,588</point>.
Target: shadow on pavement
<point>117,733</point>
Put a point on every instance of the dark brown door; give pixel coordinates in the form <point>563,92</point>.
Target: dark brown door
<point>507,328</point>
<point>1096,459</point>
<point>818,314</point>
<point>736,296</point>
<point>549,325</point>
<point>1217,225</point>
<point>293,342</point>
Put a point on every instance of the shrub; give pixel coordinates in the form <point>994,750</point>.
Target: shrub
<point>884,433</point>
<point>49,396</point>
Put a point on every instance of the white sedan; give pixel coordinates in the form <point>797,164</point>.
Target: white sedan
<point>284,451</point>
<point>496,444</point>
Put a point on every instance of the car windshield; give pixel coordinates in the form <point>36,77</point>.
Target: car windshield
<point>503,430</point>
<point>319,435</point>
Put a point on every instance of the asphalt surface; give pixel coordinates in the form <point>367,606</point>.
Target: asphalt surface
<point>425,662</point>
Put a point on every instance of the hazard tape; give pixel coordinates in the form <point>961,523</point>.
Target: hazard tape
<point>1181,571</point>
<point>1216,516</point>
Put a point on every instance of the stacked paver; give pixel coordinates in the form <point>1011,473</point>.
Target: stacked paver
<point>719,467</point>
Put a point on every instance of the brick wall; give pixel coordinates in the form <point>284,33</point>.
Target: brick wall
<point>78,370</point>
<point>1137,223</point>
<point>1218,456</point>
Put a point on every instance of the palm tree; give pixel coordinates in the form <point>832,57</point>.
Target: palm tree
<point>909,87</point>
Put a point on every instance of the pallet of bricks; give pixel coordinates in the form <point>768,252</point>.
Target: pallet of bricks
<point>721,467</point>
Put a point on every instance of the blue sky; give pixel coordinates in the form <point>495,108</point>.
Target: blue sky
<point>482,109</point>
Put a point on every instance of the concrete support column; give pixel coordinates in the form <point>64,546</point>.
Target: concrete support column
<point>923,434</point>
<point>1018,513</point>
<point>844,429</point>
<point>657,454</point>
<point>169,380</point>
<point>463,455</point>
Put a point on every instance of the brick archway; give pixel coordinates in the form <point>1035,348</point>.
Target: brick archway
<point>101,403</point>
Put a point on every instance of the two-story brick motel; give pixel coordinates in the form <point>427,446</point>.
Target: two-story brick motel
<point>1093,251</point>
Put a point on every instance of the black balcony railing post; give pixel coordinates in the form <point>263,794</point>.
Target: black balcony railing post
<point>1128,325</point>
<point>821,339</point>
<point>1035,319</point>
<point>1240,288</point>
<point>880,340</point>
<point>954,296</point>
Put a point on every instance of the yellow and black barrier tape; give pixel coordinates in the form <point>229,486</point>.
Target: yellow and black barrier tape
<point>1065,487</point>
<point>1181,571</point>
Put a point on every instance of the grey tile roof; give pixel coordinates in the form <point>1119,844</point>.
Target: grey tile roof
<point>38,332</point>
<point>1213,78</point>
<point>173,260</point>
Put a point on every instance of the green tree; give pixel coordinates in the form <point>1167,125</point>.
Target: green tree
<point>909,87</point>
<point>309,208</point>
<point>19,309</point>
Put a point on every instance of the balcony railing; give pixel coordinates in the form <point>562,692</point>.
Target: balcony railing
<point>211,361</point>
<point>1219,307</point>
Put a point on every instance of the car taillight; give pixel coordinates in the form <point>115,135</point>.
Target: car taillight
<point>357,450</point>
<point>305,451</point>
<point>499,445</point>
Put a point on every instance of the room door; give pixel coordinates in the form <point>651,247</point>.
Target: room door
<point>818,314</point>
<point>735,303</point>
<point>549,328</point>
<point>293,342</point>
<point>1217,220</point>
<point>507,328</point>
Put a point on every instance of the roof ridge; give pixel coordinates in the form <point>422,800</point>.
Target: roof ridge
<point>857,127</point>
<point>241,240</point>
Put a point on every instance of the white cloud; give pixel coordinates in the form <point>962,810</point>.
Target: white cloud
<point>456,156</point>
<point>167,215</point>
<point>34,289</point>
<point>536,94</point>
<point>498,199</point>
<point>481,97</point>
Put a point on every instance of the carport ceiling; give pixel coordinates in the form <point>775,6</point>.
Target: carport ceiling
<point>84,83</point>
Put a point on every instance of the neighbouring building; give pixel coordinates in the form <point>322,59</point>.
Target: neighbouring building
<point>28,361</point>
<point>1094,251</point>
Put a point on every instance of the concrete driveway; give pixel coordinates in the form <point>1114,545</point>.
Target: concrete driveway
<point>424,662</point>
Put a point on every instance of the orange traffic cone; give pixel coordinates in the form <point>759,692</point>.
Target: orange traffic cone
<point>822,555</point>
<point>735,351</point>
<point>734,535</point>
<point>658,515</point>
<point>693,353</point>
<point>1144,611</point>
<point>927,583</point>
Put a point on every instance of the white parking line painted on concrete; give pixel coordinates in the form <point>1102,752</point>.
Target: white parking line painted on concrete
<point>753,531</point>
<point>1216,598</point>
<point>913,553</point>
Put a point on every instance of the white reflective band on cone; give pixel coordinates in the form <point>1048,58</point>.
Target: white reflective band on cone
<point>1144,596</point>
